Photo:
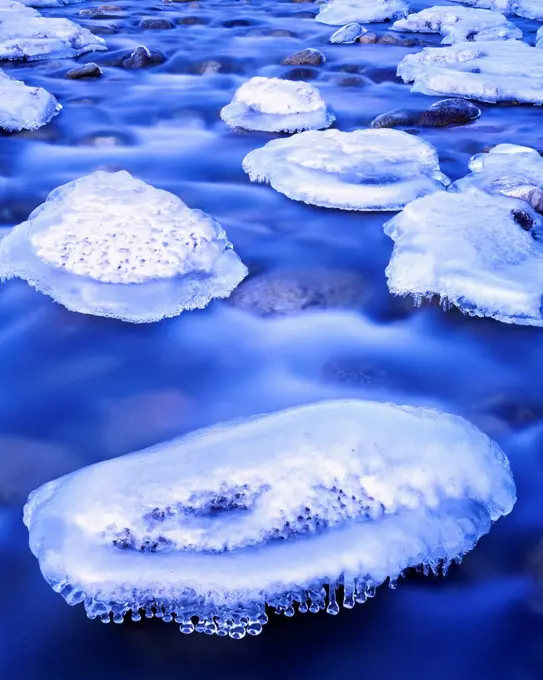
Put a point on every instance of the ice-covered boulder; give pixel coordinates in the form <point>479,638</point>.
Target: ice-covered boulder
<point>507,169</point>
<point>112,245</point>
<point>279,510</point>
<point>530,9</point>
<point>360,170</point>
<point>481,252</point>
<point>277,105</point>
<point>24,36</point>
<point>458,24</point>
<point>348,34</point>
<point>341,12</point>
<point>489,71</point>
<point>23,107</point>
<point>539,38</point>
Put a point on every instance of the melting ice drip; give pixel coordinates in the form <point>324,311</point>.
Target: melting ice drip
<point>279,511</point>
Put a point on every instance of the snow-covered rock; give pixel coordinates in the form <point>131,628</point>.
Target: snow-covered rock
<point>530,9</point>
<point>348,34</point>
<point>489,71</point>
<point>481,252</point>
<point>459,24</point>
<point>360,170</point>
<point>23,107</point>
<point>111,245</point>
<point>276,105</point>
<point>341,12</point>
<point>268,510</point>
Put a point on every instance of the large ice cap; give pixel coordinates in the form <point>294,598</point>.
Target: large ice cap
<point>507,169</point>
<point>268,511</point>
<point>530,9</point>
<point>23,107</point>
<point>481,252</point>
<point>489,71</point>
<point>50,3</point>
<point>111,245</point>
<point>361,170</point>
<point>12,8</point>
<point>459,24</point>
<point>341,12</point>
<point>276,105</point>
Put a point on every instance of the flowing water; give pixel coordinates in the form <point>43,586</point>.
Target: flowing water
<point>76,389</point>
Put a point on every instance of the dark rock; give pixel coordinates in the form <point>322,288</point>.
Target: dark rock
<point>85,71</point>
<point>449,112</point>
<point>354,81</point>
<point>381,74</point>
<point>307,57</point>
<point>390,39</point>
<point>302,74</point>
<point>150,23</point>
<point>523,219</point>
<point>368,38</point>
<point>192,21</point>
<point>395,118</point>
<point>234,23</point>
<point>142,57</point>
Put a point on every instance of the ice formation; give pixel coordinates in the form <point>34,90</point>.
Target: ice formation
<point>530,9</point>
<point>111,245</point>
<point>458,24</point>
<point>346,35</point>
<point>481,252</point>
<point>361,170</point>
<point>10,8</point>
<point>276,105</point>
<point>341,12</point>
<point>539,38</point>
<point>278,510</point>
<point>489,71</point>
<point>23,107</point>
<point>50,3</point>
<point>507,169</point>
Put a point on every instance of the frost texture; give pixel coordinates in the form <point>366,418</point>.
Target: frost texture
<point>489,71</point>
<point>478,251</point>
<point>458,24</point>
<point>276,105</point>
<point>539,37</point>
<point>23,107</point>
<point>111,245</point>
<point>27,35</point>
<point>507,169</point>
<point>530,9</point>
<point>341,12</point>
<point>277,510</point>
<point>360,170</point>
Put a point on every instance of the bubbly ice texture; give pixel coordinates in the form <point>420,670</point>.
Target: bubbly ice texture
<point>489,71</point>
<point>28,35</point>
<point>458,24</point>
<point>507,169</point>
<point>111,245</point>
<point>269,510</point>
<point>361,170</point>
<point>23,107</point>
<point>481,252</point>
<point>276,105</point>
<point>530,9</point>
<point>341,12</point>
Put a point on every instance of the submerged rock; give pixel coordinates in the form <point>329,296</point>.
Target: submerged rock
<point>341,12</point>
<point>455,111</point>
<point>276,105</point>
<point>111,245</point>
<point>23,107</point>
<point>255,513</point>
<point>348,34</point>
<point>360,170</point>
<point>481,252</point>
<point>307,57</point>
<point>143,57</point>
<point>155,23</point>
<point>85,71</point>
<point>458,24</point>
<point>530,9</point>
<point>489,71</point>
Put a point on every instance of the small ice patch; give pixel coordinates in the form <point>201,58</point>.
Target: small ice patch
<point>539,38</point>
<point>478,251</point>
<point>111,245</point>
<point>507,169</point>
<point>360,170</point>
<point>489,71</point>
<point>529,9</point>
<point>50,3</point>
<point>341,12</point>
<point>348,34</point>
<point>23,107</point>
<point>276,105</point>
<point>458,24</point>
<point>279,510</point>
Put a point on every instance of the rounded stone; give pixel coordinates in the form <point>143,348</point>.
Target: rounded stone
<point>454,111</point>
<point>307,57</point>
<point>85,71</point>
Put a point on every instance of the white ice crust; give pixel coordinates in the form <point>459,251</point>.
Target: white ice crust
<point>341,12</point>
<point>530,9</point>
<point>276,105</point>
<point>11,8</point>
<point>489,71</point>
<point>458,24</point>
<point>23,107</point>
<point>481,252</point>
<point>267,510</point>
<point>361,170</point>
<point>49,3</point>
<point>112,245</point>
<point>348,34</point>
<point>539,38</point>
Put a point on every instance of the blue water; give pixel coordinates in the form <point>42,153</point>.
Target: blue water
<point>76,389</point>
